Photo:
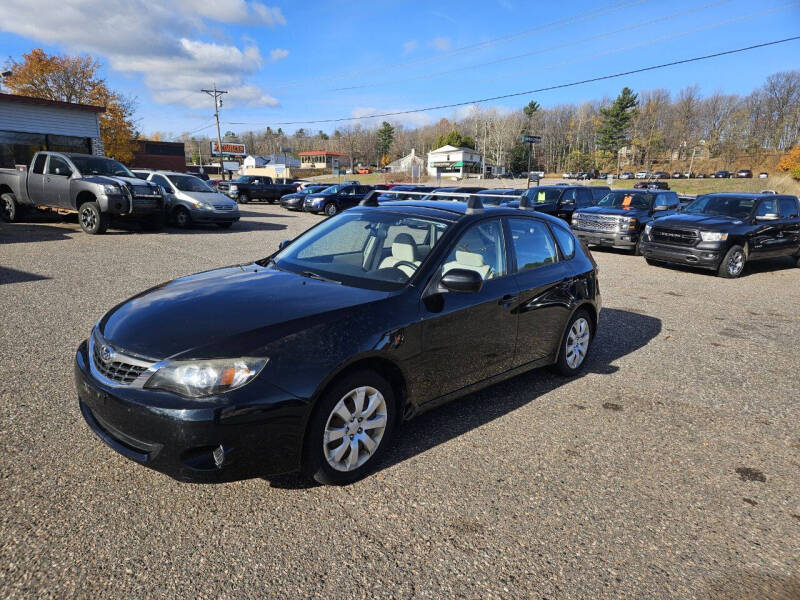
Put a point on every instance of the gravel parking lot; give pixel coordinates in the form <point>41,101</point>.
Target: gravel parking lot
<point>671,469</point>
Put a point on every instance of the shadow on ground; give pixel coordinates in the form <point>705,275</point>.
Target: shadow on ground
<point>620,333</point>
<point>8,275</point>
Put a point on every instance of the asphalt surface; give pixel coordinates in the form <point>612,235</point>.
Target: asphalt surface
<point>671,469</point>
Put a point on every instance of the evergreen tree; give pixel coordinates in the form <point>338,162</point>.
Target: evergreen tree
<point>615,121</point>
<point>385,137</point>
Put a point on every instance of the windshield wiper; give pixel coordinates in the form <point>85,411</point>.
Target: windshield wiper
<point>313,275</point>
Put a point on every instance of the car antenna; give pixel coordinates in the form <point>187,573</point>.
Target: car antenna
<point>525,203</point>
<point>474,205</point>
<point>371,199</point>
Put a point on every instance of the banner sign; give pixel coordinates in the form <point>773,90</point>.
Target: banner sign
<point>228,149</point>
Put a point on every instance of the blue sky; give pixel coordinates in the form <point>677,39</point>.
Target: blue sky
<point>291,61</point>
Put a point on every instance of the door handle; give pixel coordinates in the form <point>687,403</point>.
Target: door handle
<point>508,298</point>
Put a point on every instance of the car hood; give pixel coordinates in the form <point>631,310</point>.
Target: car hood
<point>706,222</point>
<point>126,181</point>
<point>214,197</point>
<point>219,312</point>
<point>608,210</point>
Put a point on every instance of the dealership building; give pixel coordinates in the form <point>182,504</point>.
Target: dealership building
<point>28,125</point>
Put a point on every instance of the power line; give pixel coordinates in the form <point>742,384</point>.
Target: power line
<point>548,88</point>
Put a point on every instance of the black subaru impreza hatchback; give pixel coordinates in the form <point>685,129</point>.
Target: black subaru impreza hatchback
<point>309,359</point>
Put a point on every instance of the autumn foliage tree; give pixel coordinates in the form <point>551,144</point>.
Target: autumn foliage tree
<point>790,162</point>
<point>76,79</point>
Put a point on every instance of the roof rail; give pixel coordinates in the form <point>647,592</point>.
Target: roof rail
<point>474,205</point>
<point>525,203</point>
<point>371,199</point>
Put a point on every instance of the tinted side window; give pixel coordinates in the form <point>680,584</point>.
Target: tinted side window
<point>565,241</point>
<point>788,208</point>
<point>569,196</point>
<point>767,207</point>
<point>58,166</point>
<point>532,243</point>
<point>38,165</point>
<point>584,198</point>
<point>162,181</point>
<point>481,249</point>
<point>662,200</point>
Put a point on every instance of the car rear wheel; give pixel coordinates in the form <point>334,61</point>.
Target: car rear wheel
<point>182,217</point>
<point>243,199</point>
<point>91,218</point>
<point>351,427</point>
<point>330,209</point>
<point>9,209</point>
<point>733,263</point>
<point>575,344</point>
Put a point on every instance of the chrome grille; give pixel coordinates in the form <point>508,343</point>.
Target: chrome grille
<point>224,207</point>
<point>115,367</point>
<point>596,222</point>
<point>681,237</point>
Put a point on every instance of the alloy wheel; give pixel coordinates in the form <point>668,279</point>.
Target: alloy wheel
<point>736,263</point>
<point>88,218</point>
<point>577,343</point>
<point>354,429</point>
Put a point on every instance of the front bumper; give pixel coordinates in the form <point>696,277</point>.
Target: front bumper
<point>292,204</point>
<point>256,430</point>
<point>213,216</point>
<point>612,239</point>
<point>706,258</point>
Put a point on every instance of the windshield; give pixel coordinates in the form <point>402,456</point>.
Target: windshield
<point>188,183</point>
<point>498,197</point>
<point>721,206</point>
<point>96,165</point>
<point>329,191</point>
<point>367,249</point>
<point>627,200</point>
<point>544,196</point>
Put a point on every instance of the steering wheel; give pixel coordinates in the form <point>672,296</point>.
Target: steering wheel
<point>404,263</point>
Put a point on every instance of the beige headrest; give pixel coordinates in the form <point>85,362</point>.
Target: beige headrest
<point>403,251</point>
<point>471,259</point>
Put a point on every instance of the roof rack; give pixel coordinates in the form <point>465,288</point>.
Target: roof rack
<point>525,203</point>
<point>474,205</point>
<point>371,199</point>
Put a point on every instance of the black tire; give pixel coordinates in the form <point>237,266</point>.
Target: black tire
<point>315,463</point>
<point>9,209</point>
<point>331,209</point>
<point>183,218</point>
<point>224,225</point>
<point>652,263</point>
<point>637,249</point>
<point>91,219</point>
<point>564,364</point>
<point>732,265</point>
<point>154,222</point>
<point>243,199</point>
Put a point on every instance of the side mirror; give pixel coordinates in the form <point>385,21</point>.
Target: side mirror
<point>767,217</point>
<point>462,281</point>
<point>283,244</point>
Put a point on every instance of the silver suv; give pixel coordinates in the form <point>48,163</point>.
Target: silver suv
<point>191,200</point>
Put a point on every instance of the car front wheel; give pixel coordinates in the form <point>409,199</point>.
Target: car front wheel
<point>330,209</point>
<point>351,427</point>
<point>243,199</point>
<point>733,263</point>
<point>91,218</point>
<point>9,209</point>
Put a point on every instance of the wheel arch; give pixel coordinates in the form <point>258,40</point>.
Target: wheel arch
<point>83,197</point>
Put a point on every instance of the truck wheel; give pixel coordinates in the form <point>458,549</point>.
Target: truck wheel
<point>243,199</point>
<point>637,249</point>
<point>182,217</point>
<point>9,209</point>
<point>733,263</point>
<point>91,218</point>
<point>330,209</point>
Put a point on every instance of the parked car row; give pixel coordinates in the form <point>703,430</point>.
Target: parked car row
<point>740,174</point>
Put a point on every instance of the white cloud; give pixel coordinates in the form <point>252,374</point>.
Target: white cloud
<point>277,54</point>
<point>409,119</point>
<point>409,46</point>
<point>442,43</point>
<point>157,39</point>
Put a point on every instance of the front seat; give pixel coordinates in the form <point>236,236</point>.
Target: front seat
<point>404,249</point>
<point>471,261</point>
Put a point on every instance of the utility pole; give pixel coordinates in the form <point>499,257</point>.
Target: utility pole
<point>217,96</point>
<point>483,158</point>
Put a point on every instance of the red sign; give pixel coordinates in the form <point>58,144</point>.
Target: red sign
<point>228,149</point>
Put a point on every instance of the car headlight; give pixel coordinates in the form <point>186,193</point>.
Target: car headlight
<point>204,206</point>
<point>110,188</point>
<point>713,236</point>
<point>647,228</point>
<point>233,188</point>
<point>198,378</point>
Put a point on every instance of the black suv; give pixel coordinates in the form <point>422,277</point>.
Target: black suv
<point>335,199</point>
<point>619,218</point>
<point>562,201</point>
<point>722,232</point>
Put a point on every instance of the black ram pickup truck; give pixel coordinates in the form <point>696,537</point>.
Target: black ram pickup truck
<point>245,188</point>
<point>620,217</point>
<point>95,187</point>
<point>722,232</point>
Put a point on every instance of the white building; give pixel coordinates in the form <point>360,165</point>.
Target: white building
<point>404,164</point>
<point>452,161</point>
<point>257,160</point>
